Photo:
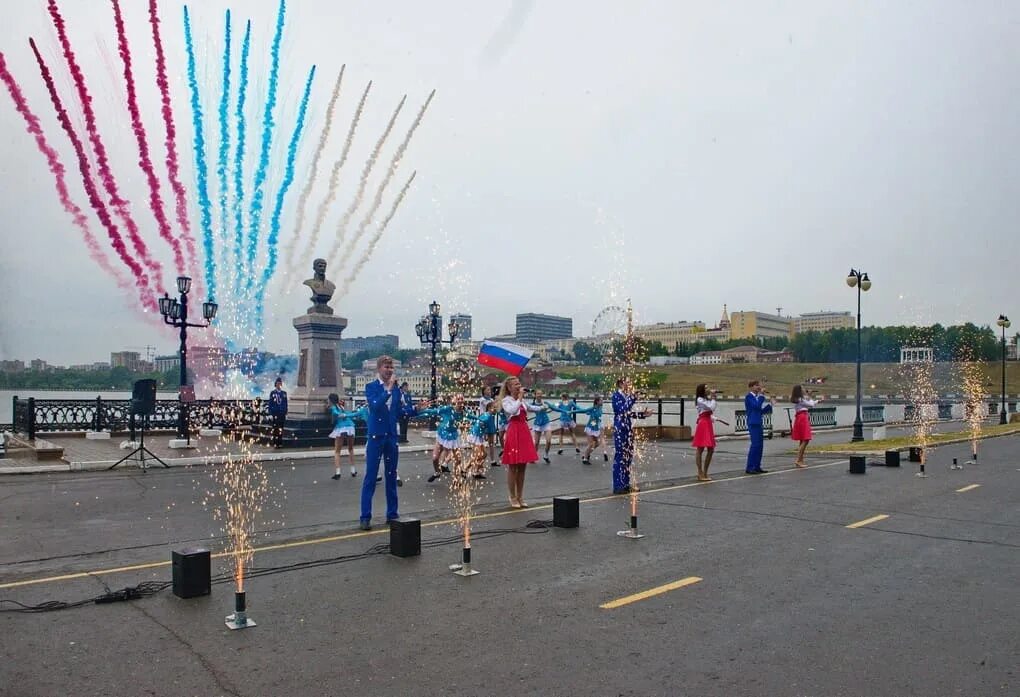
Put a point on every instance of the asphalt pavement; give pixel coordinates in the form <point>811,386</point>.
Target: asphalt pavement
<point>748,585</point>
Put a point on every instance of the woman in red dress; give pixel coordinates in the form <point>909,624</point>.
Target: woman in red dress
<point>704,431</point>
<point>801,430</point>
<point>518,447</point>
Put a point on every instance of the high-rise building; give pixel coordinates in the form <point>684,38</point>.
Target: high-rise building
<point>536,327</point>
<point>759,325</point>
<point>822,322</point>
<point>165,363</point>
<point>463,323</point>
<point>125,359</point>
<point>381,343</point>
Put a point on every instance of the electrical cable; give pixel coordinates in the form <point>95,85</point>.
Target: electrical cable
<point>150,588</point>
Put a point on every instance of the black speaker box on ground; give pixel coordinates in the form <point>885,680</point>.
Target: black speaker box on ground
<point>566,512</point>
<point>858,464</point>
<point>405,537</point>
<point>892,458</point>
<point>143,397</point>
<point>915,453</point>
<point>191,572</point>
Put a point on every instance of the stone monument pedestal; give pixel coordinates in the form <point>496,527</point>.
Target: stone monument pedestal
<point>308,419</point>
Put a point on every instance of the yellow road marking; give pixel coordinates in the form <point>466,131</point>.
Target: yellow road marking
<point>650,593</point>
<point>967,488</point>
<point>355,535</point>
<point>868,521</point>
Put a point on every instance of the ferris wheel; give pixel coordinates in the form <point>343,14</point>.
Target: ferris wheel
<point>609,325</point>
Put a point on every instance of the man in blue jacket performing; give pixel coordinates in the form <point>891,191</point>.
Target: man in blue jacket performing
<point>385,407</point>
<point>624,400</point>
<point>278,412</point>
<point>755,405</point>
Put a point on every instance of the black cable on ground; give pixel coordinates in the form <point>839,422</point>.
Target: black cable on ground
<point>149,588</point>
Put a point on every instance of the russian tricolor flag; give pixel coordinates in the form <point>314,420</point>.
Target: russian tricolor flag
<point>509,358</point>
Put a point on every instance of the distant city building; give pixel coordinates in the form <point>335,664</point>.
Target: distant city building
<point>38,365</point>
<point>463,323</point>
<point>125,359</point>
<point>167,363</point>
<point>742,354</point>
<point>356,344</point>
<point>707,358</point>
<point>822,322</point>
<point>759,325</point>
<point>419,382</point>
<point>1011,351</point>
<point>668,360</point>
<point>90,367</point>
<point>12,366</point>
<point>537,327</point>
<point>371,365</point>
<point>922,354</point>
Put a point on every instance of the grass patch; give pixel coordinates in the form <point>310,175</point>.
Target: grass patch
<point>868,446</point>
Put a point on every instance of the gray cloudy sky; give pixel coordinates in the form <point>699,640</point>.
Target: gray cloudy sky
<point>682,154</point>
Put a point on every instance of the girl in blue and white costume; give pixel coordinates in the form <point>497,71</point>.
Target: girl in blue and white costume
<point>566,423</point>
<point>447,435</point>
<point>542,424</point>
<point>343,430</point>
<point>593,429</point>
<point>477,438</point>
<point>491,427</point>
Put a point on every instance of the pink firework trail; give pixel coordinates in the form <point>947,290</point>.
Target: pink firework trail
<point>144,161</point>
<point>172,165</point>
<point>58,170</point>
<point>141,280</point>
<point>102,162</point>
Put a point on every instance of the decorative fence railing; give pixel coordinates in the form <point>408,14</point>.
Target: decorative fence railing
<point>32,416</point>
<point>873,414</point>
<point>740,422</point>
<point>819,417</point>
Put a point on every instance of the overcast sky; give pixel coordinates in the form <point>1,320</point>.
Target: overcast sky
<point>681,154</point>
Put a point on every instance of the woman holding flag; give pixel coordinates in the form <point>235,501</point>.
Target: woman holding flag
<point>518,447</point>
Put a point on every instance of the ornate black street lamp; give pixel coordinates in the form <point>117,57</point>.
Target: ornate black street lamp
<point>1003,323</point>
<point>175,313</point>
<point>430,332</point>
<point>863,283</point>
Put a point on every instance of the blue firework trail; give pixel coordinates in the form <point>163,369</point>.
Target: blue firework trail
<point>267,140</point>
<point>288,179</point>
<point>221,163</point>
<point>202,174</point>
<point>242,93</point>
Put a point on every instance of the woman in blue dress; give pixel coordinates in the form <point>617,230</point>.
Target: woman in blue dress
<point>593,429</point>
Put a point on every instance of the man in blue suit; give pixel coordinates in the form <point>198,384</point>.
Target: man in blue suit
<point>385,407</point>
<point>755,405</point>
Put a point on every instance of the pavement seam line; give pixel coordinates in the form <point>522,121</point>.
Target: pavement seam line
<point>650,593</point>
<point>867,521</point>
<point>355,535</point>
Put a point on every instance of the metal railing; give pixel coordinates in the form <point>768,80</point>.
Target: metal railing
<point>873,414</point>
<point>32,416</point>
<point>740,424</point>
<point>819,417</point>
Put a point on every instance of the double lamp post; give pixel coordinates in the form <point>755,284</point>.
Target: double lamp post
<point>1003,323</point>
<point>430,332</point>
<point>860,280</point>
<point>175,313</point>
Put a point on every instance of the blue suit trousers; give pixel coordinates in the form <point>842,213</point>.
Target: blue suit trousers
<point>757,448</point>
<point>384,448</point>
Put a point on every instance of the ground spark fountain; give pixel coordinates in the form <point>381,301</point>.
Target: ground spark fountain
<point>971,375</point>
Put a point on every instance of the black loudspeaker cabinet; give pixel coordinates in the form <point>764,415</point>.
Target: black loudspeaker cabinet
<point>405,537</point>
<point>143,397</point>
<point>191,572</point>
<point>858,465</point>
<point>566,512</point>
<point>892,458</point>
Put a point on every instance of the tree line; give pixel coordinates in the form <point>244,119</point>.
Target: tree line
<point>878,345</point>
<point>116,379</point>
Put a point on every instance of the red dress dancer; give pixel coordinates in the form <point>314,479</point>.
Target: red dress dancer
<point>518,445</point>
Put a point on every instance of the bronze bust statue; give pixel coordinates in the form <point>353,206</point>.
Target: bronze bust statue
<point>322,290</point>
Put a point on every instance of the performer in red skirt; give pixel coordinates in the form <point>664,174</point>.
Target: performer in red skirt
<point>704,431</point>
<point>518,447</point>
<point>801,421</point>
